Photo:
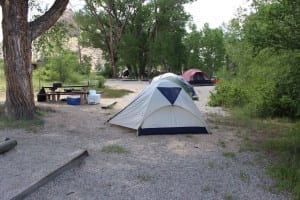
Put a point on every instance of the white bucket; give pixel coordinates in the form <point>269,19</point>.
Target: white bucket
<point>94,98</point>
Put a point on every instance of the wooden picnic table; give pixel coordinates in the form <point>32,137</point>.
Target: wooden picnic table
<point>54,96</point>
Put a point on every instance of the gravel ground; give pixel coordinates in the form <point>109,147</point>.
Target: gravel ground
<point>29,161</point>
<point>151,167</point>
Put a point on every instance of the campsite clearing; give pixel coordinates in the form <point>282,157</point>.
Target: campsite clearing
<point>149,167</point>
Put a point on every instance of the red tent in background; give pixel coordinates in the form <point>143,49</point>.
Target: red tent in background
<point>196,76</point>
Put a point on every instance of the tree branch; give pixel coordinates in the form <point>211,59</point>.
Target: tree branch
<point>46,21</point>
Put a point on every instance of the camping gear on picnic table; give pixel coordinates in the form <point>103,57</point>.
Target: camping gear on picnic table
<point>53,93</point>
<point>163,107</point>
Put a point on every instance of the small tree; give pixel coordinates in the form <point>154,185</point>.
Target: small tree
<point>64,67</point>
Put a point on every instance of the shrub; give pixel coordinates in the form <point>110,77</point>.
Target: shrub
<point>228,95</point>
<point>101,82</point>
<point>269,87</point>
<point>288,88</point>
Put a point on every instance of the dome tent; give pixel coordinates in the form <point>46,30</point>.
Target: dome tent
<point>180,81</point>
<point>196,76</point>
<point>162,108</point>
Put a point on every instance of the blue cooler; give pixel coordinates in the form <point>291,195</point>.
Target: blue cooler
<point>73,100</point>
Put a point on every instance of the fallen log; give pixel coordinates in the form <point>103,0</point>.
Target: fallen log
<point>7,145</point>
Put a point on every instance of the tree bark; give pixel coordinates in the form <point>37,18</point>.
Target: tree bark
<point>17,37</point>
<point>111,44</point>
<point>17,60</point>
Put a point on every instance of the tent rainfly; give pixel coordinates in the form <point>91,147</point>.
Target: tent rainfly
<point>162,108</point>
<point>179,80</point>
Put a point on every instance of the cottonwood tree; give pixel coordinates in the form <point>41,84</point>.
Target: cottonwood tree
<point>192,43</point>
<point>166,48</point>
<point>205,49</point>
<point>212,49</point>
<point>18,34</point>
<point>137,34</point>
<point>103,22</point>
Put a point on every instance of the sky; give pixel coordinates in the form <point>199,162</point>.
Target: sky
<point>213,12</point>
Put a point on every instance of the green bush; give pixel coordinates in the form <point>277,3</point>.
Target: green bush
<point>269,87</point>
<point>101,82</point>
<point>288,88</point>
<point>228,94</point>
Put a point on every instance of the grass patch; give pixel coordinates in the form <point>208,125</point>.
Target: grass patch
<point>286,170</point>
<point>114,148</point>
<point>248,146</point>
<point>229,154</point>
<point>244,177</point>
<point>211,164</point>
<point>279,139</point>
<point>222,143</point>
<point>108,92</point>
<point>144,177</point>
<point>228,196</point>
<point>207,188</point>
<point>29,125</point>
<point>43,110</point>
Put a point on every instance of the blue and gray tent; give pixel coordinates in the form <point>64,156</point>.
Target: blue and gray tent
<point>163,107</point>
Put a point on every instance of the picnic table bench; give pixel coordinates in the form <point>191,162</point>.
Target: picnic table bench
<point>53,94</point>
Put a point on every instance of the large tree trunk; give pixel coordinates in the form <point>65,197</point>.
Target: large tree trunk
<point>18,34</point>
<point>17,62</point>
